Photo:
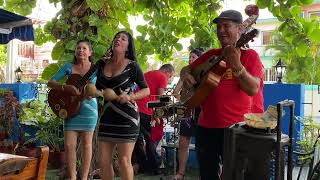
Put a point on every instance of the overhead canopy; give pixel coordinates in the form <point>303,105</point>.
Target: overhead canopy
<point>14,26</point>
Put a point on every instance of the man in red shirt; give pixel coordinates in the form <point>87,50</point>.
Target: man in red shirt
<point>231,99</point>
<point>157,81</point>
<point>257,102</point>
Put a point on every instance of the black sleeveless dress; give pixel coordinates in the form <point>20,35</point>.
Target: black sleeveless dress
<point>120,122</point>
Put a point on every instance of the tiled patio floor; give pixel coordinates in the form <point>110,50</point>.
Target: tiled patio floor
<point>52,174</point>
<point>192,174</point>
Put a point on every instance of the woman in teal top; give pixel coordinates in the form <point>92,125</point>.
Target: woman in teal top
<point>84,123</point>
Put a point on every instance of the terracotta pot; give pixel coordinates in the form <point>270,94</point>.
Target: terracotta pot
<point>2,149</point>
<point>27,151</point>
<point>3,135</point>
<point>57,159</point>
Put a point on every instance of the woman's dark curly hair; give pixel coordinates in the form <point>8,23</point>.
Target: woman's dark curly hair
<point>131,53</point>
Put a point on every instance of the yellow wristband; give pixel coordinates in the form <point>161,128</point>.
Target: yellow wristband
<point>62,87</point>
<point>240,72</point>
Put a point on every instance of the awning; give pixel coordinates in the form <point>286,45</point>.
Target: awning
<point>14,26</point>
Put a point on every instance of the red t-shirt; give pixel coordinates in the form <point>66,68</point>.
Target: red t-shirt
<point>227,103</point>
<point>157,132</point>
<point>257,101</point>
<point>155,79</point>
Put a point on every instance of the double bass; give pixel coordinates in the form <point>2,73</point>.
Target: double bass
<point>209,73</point>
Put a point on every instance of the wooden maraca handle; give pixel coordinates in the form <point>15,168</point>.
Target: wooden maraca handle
<point>109,94</point>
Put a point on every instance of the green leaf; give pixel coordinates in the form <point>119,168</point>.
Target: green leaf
<point>141,29</point>
<point>285,12</point>
<point>282,27</point>
<point>71,45</point>
<point>66,57</point>
<point>308,27</point>
<point>315,36</point>
<point>105,31</point>
<point>289,39</point>
<point>99,50</point>
<point>306,2</point>
<point>94,20</point>
<point>57,50</point>
<point>182,22</point>
<point>263,3</point>
<point>178,46</point>
<point>49,71</point>
<point>147,17</point>
<point>95,5</point>
<point>296,11</point>
<point>276,11</point>
<point>302,49</point>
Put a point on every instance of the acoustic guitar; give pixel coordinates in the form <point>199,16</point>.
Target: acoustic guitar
<point>208,74</point>
<point>66,105</point>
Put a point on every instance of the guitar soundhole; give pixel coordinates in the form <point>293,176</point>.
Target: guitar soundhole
<point>57,107</point>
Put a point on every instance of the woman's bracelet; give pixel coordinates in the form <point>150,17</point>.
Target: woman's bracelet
<point>62,87</point>
<point>133,96</point>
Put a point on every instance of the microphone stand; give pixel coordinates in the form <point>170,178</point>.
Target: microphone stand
<point>172,116</point>
<point>174,139</point>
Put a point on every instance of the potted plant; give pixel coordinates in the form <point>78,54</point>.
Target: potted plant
<point>43,127</point>
<point>9,111</point>
<point>32,113</point>
<point>26,147</point>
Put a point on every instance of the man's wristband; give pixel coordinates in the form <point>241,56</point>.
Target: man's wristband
<point>239,72</point>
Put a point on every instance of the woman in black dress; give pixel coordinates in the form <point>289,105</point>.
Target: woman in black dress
<point>119,123</point>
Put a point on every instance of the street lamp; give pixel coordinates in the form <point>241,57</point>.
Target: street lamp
<point>18,73</point>
<point>280,69</point>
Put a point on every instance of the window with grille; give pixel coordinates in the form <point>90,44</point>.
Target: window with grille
<point>26,50</point>
<point>266,37</point>
<point>314,13</point>
<point>269,74</point>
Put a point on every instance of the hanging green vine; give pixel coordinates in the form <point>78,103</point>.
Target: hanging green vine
<point>167,22</point>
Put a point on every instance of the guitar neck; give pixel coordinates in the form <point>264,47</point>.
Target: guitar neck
<point>215,59</point>
<point>200,71</point>
<point>83,81</point>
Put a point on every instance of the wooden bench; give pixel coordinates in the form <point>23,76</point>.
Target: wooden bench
<point>22,167</point>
